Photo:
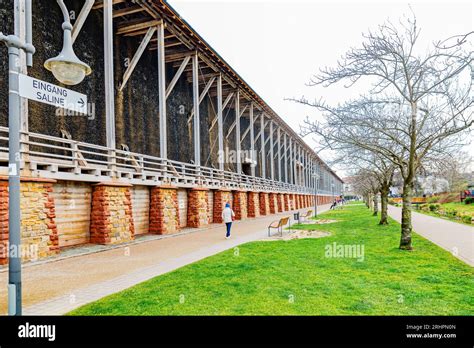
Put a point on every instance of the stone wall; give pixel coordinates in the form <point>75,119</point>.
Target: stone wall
<point>197,208</point>
<point>39,233</point>
<point>240,205</point>
<point>164,212</point>
<point>112,216</point>
<point>221,197</point>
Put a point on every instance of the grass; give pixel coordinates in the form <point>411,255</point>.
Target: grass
<point>296,278</point>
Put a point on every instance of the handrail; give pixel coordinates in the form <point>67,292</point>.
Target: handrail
<point>61,151</point>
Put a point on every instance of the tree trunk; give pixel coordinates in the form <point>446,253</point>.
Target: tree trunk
<point>405,241</point>
<point>384,202</point>
<point>376,205</point>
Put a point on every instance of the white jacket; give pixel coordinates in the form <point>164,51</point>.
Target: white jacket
<point>227,215</point>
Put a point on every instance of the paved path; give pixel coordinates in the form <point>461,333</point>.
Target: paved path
<point>57,287</point>
<point>452,236</point>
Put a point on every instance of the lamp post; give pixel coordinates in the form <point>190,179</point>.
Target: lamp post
<point>316,184</point>
<point>15,44</point>
<point>66,67</point>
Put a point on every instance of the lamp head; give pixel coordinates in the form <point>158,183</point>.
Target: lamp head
<point>66,67</point>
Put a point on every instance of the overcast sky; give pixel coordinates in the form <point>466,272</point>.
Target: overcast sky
<point>277,45</point>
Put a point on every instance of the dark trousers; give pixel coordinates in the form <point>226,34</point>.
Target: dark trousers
<point>228,225</point>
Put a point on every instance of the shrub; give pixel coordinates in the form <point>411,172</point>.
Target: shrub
<point>434,207</point>
<point>433,199</point>
<point>469,200</point>
<point>451,212</point>
<point>466,219</point>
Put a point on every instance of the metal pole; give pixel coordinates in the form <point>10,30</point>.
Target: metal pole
<point>197,141</point>
<point>237,132</point>
<point>14,44</point>
<point>252,140</point>
<point>14,237</point>
<point>160,36</point>
<point>219,123</point>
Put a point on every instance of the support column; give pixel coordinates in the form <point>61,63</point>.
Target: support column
<point>220,132</point>
<point>279,153</point>
<point>164,210</point>
<point>273,202</point>
<point>196,133</point>
<point>240,204</point>
<point>285,162</point>
<point>237,132</point>
<point>280,203</point>
<point>221,197</point>
<point>253,204</point>
<point>252,141</point>
<point>291,161</point>
<point>272,159</point>
<point>109,83</point>
<point>262,144</point>
<point>264,204</point>
<point>111,214</point>
<point>197,207</point>
<point>286,201</point>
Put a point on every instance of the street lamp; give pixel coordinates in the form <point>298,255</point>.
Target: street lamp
<point>316,178</point>
<point>66,67</point>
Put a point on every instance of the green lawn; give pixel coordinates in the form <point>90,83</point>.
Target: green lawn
<point>296,278</point>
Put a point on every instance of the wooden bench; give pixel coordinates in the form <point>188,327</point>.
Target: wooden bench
<point>279,225</point>
<point>308,214</point>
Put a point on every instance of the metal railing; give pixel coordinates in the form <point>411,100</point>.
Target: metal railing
<point>53,157</point>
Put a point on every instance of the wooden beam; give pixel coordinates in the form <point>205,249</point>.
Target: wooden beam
<point>100,4</point>
<point>137,56</point>
<point>127,11</point>
<point>177,75</point>
<point>128,28</point>
<point>81,18</point>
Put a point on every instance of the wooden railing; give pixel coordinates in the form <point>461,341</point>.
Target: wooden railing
<point>61,158</point>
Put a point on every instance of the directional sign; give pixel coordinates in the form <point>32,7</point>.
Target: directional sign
<point>45,92</point>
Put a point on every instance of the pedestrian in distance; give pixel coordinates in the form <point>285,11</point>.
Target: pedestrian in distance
<point>228,216</point>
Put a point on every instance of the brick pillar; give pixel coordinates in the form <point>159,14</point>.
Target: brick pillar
<point>197,207</point>
<point>253,205</point>
<point>111,214</point>
<point>39,233</point>
<point>164,210</point>
<point>279,202</point>
<point>286,202</point>
<point>221,197</point>
<point>240,204</point>
<point>264,203</point>
<point>272,202</point>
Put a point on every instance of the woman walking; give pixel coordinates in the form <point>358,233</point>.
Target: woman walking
<point>228,217</point>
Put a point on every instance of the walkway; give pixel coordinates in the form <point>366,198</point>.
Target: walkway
<point>452,236</point>
<point>59,286</point>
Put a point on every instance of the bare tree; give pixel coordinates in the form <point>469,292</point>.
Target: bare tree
<point>378,170</point>
<point>419,103</point>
